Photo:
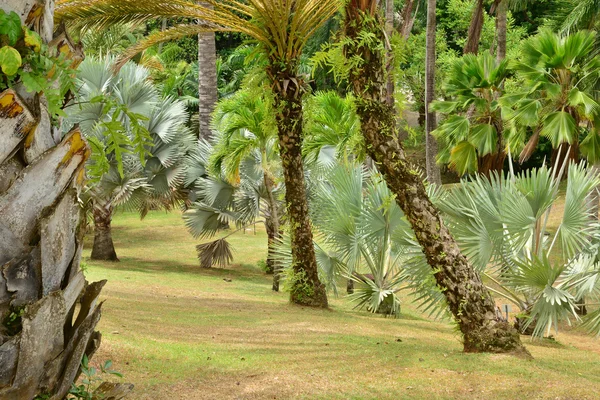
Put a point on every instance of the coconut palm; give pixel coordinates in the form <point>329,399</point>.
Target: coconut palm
<point>501,225</point>
<point>281,29</point>
<point>48,310</point>
<point>472,138</point>
<point>125,102</point>
<point>469,301</point>
<point>558,75</point>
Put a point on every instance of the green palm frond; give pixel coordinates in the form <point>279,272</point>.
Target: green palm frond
<point>282,27</point>
<point>332,124</point>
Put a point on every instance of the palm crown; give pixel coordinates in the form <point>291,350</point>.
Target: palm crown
<point>560,73</point>
<point>474,140</point>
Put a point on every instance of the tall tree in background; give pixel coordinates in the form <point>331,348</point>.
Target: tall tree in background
<point>207,80</point>
<point>408,18</point>
<point>431,146</point>
<point>501,27</point>
<point>475,28</point>
<point>281,28</point>
<point>469,301</point>
<point>49,312</point>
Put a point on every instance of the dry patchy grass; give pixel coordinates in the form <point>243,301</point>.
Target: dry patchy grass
<point>179,332</point>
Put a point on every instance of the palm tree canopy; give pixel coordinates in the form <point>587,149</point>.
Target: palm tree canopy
<point>281,27</point>
<point>107,101</point>
<point>475,82</point>
<point>244,124</point>
<point>559,74</point>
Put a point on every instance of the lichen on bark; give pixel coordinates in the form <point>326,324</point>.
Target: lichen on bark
<point>468,299</point>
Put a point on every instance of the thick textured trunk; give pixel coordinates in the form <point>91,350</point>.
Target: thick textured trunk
<point>288,88</point>
<point>474,34</point>
<point>501,14</point>
<point>207,80</point>
<point>468,299</point>
<point>103,248</point>
<point>431,146</point>
<point>52,309</point>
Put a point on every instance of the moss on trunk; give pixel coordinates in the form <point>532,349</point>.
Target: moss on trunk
<point>468,299</point>
<point>288,89</point>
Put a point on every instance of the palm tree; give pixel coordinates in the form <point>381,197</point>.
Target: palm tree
<point>246,125</point>
<point>364,232</point>
<point>207,80</point>
<point>431,146</point>
<point>501,224</point>
<point>472,138</point>
<point>281,28</point>
<point>469,301</point>
<point>128,102</point>
<point>48,310</point>
<point>558,74</point>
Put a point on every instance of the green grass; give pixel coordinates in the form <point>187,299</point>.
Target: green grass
<point>179,332</point>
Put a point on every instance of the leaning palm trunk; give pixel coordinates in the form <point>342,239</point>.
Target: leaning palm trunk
<point>48,310</point>
<point>469,301</point>
<point>103,247</point>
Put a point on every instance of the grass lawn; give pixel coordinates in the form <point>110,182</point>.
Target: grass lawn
<point>179,332</point>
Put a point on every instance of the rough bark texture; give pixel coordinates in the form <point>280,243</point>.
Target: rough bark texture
<point>474,34</point>
<point>103,248</point>
<point>501,11</point>
<point>468,299</point>
<point>288,89</point>
<point>41,238</point>
<point>431,146</point>
<point>207,80</point>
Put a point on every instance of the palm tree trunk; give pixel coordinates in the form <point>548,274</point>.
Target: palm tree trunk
<point>207,80</point>
<point>103,248</point>
<point>42,287</point>
<point>431,146</point>
<point>501,15</point>
<point>288,88</point>
<point>467,297</point>
<point>474,34</point>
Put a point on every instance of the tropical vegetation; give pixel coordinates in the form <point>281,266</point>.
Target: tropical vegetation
<point>436,159</point>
